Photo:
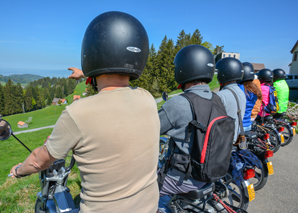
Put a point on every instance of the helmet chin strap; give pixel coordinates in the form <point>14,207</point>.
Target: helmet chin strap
<point>94,84</point>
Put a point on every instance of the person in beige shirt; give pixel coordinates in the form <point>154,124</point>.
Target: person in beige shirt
<point>114,135</point>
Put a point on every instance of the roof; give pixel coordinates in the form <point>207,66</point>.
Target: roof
<point>62,100</point>
<point>294,47</point>
<point>257,66</point>
<point>21,123</point>
<point>56,100</point>
<point>75,97</point>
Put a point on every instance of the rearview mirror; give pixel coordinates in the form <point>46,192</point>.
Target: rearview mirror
<point>5,130</point>
<point>164,96</point>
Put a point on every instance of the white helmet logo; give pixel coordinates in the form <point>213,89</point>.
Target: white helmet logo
<point>210,65</point>
<point>133,49</point>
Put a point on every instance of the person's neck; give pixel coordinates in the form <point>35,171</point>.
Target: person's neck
<point>112,81</point>
<point>230,82</point>
<point>192,84</point>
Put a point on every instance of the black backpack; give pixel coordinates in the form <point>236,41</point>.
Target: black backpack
<point>209,159</point>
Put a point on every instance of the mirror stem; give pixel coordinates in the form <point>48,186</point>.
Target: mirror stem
<point>21,142</point>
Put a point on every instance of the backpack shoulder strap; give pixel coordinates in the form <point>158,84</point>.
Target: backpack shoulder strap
<point>238,112</point>
<point>198,114</point>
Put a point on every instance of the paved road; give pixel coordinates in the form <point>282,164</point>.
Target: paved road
<point>279,195</point>
<point>33,130</point>
<point>160,99</point>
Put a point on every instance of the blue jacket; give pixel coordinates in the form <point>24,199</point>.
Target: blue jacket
<point>251,99</point>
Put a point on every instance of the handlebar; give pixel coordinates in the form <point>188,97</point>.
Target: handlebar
<point>72,162</point>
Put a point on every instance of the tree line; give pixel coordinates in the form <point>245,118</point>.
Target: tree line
<point>36,95</point>
<point>158,75</point>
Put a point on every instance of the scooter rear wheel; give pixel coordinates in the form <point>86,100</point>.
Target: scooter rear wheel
<point>237,195</point>
<point>261,176</point>
<point>274,139</point>
<point>287,133</point>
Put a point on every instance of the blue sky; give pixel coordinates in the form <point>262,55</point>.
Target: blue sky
<point>44,37</point>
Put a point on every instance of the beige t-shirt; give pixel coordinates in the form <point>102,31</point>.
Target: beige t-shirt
<point>115,136</point>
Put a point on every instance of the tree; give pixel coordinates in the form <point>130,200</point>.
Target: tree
<point>208,45</point>
<point>28,99</point>
<point>33,103</point>
<point>218,49</point>
<point>18,98</point>
<point>196,38</point>
<point>165,65</point>
<point>59,93</point>
<point>182,40</point>
<point>146,79</point>
<point>36,93</point>
<point>49,100</point>
<point>2,102</point>
<point>9,98</point>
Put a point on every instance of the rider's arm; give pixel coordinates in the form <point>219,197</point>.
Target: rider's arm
<point>40,159</point>
<point>165,123</point>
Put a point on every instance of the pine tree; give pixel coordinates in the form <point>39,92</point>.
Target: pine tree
<point>59,93</point>
<point>49,100</point>
<point>37,97</point>
<point>52,92</point>
<point>19,98</point>
<point>146,79</point>
<point>196,38</point>
<point>218,49</point>
<point>165,66</point>
<point>9,98</point>
<point>28,99</point>
<point>2,102</point>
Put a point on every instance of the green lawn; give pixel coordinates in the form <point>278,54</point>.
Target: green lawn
<point>43,117</point>
<point>79,90</point>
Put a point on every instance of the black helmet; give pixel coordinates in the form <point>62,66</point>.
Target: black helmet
<point>248,74</point>
<point>229,69</point>
<point>194,62</point>
<point>279,74</point>
<point>114,43</point>
<point>265,75</point>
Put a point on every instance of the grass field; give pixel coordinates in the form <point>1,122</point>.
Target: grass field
<point>79,90</point>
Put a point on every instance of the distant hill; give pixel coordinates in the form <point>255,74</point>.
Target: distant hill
<point>22,79</point>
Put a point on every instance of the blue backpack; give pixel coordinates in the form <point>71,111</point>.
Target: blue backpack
<point>273,105</point>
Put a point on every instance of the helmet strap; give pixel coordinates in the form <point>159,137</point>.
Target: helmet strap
<point>94,84</point>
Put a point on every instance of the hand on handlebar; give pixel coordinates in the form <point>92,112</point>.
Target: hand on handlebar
<point>13,171</point>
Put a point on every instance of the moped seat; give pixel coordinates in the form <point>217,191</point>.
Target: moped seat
<point>250,135</point>
<point>197,194</point>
